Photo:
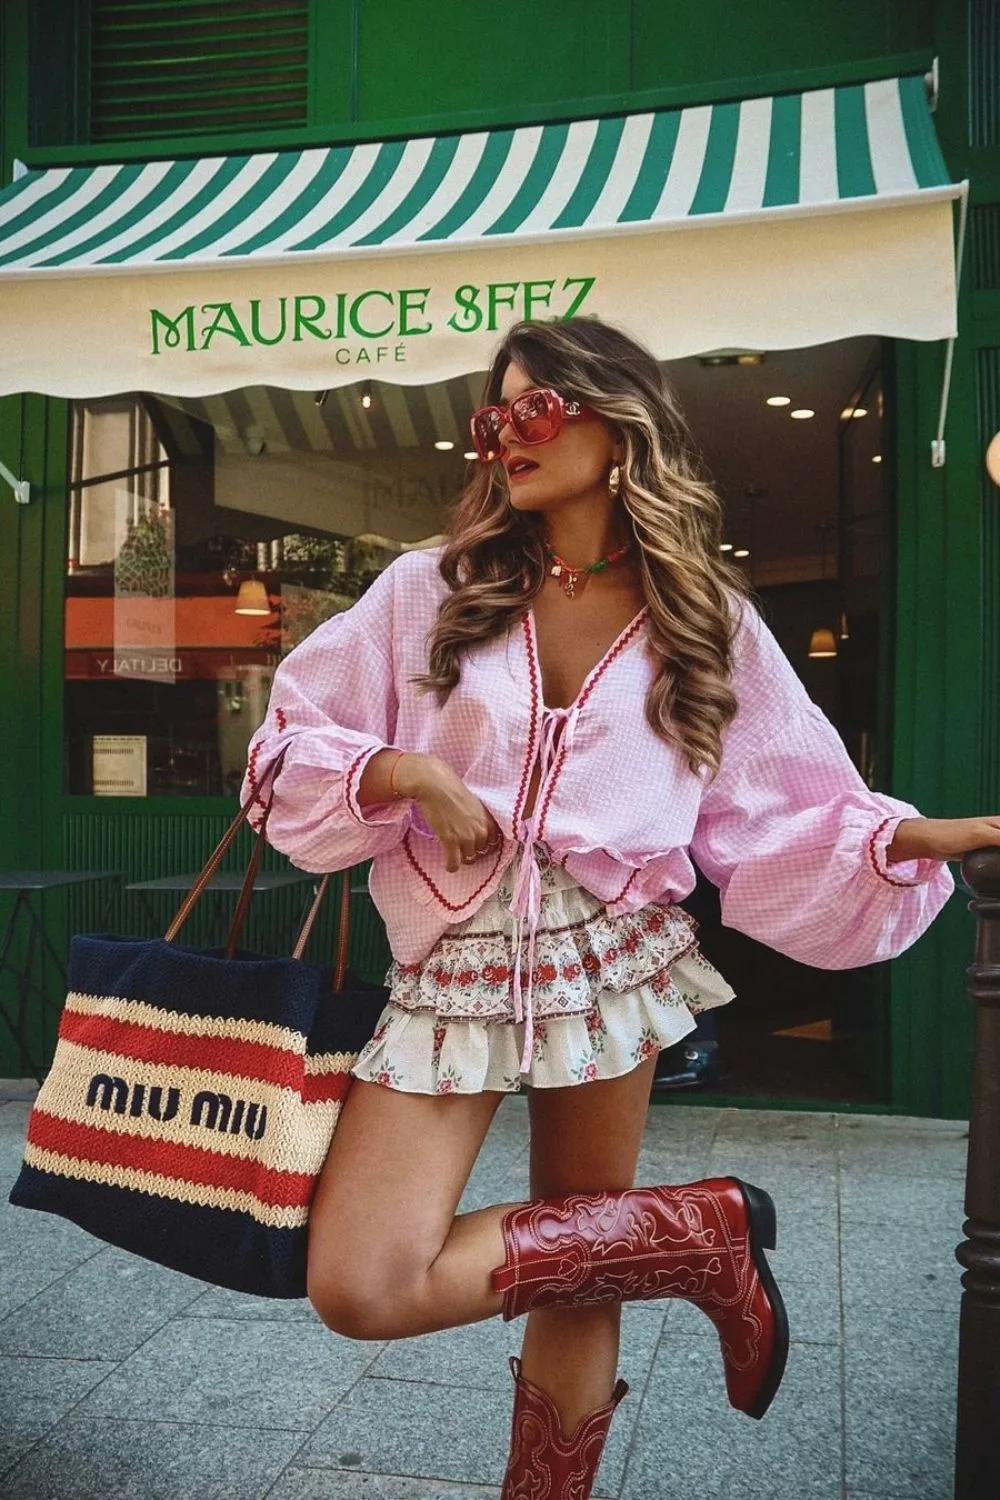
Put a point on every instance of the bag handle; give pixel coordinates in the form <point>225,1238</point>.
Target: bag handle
<point>343,927</point>
<point>215,859</point>
<point>246,891</point>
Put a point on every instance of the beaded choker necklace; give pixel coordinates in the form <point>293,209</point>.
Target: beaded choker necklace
<point>562,570</point>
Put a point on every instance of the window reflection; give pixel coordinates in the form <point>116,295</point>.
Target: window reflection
<point>206,539</point>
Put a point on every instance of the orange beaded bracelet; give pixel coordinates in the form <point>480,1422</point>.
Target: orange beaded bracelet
<point>392,775</point>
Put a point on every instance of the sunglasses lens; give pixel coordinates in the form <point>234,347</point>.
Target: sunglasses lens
<point>486,433</point>
<point>532,417</point>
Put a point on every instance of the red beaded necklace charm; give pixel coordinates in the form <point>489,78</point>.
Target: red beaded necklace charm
<point>561,569</point>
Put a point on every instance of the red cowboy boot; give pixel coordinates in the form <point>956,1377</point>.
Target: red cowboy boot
<point>544,1463</point>
<point>703,1241</point>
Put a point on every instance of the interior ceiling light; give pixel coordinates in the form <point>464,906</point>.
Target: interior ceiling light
<point>742,552</point>
<point>470,456</point>
<point>444,444</point>
<point>726,547</point>
<point>732,357</point>
<point>853,411</point>
<point>876,458</point>
<point>779,400</point>
<point>802,412</point>
<point>366,395</point>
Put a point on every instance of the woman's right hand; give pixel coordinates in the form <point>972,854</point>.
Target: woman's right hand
<point>461,822</point>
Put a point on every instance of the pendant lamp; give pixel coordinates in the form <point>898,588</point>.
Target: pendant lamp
<point>823,642</point>
<point>252,598</point>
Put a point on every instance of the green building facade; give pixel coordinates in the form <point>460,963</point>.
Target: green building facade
<point>138,81</point>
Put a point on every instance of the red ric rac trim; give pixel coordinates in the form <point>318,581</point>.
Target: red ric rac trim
<point>874,862</point>
<point>612,655</point>
<point>621,894</point>
<point>529,759</point>
<point>253,778</point>
<point>281,719</point>
<point>349,789</point>
<point>439,894</point>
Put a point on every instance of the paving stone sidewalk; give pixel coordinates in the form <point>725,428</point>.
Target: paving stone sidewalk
<point>122,1381</point>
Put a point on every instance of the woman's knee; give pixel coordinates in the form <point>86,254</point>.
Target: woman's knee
<point>362,1307</point>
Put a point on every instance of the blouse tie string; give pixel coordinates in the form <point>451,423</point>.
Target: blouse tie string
<point>526,905</point>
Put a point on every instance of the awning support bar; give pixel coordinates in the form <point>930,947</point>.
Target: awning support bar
<point>21,487</point>
<point>938,444</point>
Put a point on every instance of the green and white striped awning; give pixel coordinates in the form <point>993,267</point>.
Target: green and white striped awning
<point>296,268</point>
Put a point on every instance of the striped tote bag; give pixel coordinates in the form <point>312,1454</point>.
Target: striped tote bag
<point>193,1096</point>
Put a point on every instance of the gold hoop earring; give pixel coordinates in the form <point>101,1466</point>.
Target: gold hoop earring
<point>615,479</point>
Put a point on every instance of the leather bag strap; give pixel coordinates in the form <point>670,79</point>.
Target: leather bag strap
<point>215,859</point>
<point>307,926</point>
<point>343,927</point>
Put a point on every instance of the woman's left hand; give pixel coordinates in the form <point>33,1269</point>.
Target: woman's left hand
<point>942,838</point>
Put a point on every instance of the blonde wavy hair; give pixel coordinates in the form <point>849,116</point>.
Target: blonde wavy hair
<point>494,563</point>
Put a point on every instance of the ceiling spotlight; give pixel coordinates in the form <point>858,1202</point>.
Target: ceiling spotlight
<point>802,412</point>
<point>726,547</point>
<point>779,401</point>
<point>444,445</point>
<point>742,552</point>
<point>732,357</point>
<point>470,456</point>
<point>876,458</point>
<point>366,395</point>
<point>853,411</point>
<point>320,398</point>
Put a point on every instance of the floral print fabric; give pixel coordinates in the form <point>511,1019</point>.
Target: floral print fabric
<point>609,992</point>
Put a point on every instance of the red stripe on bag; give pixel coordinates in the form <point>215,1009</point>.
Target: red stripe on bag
<point>203,1167</point>
<point>320,1088</point>
<point>214,1054</point>
<point>253,1060</point>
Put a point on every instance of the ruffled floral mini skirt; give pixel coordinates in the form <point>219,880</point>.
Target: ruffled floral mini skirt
<point>608,993</point>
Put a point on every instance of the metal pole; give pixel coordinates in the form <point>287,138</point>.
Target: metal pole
<point>977,1442</point>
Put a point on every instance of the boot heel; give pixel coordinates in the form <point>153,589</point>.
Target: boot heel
<point>763,1218</point>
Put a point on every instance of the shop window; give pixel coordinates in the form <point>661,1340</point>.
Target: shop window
<point>206,538</point>
<point>182,67</point>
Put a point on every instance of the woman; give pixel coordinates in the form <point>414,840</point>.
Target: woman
<point>532,730</point>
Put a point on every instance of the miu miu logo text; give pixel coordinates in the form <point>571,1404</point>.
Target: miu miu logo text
<point>213,1110</point>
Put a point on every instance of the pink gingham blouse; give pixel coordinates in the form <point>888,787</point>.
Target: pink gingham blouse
<point>788,830</point>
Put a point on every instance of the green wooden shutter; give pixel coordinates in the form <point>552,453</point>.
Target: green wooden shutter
<point>984,73</point>
<point>984,246</point>
<point>183,67</point>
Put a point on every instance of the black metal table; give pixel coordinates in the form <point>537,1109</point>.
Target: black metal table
<point>27,920</point>
<point>225,883</point>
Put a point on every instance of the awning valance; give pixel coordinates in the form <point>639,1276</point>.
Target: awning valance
<point>805,217</point>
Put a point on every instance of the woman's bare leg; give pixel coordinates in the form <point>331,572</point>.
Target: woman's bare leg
<point>388,1258</point>
<point>584,1138</point>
